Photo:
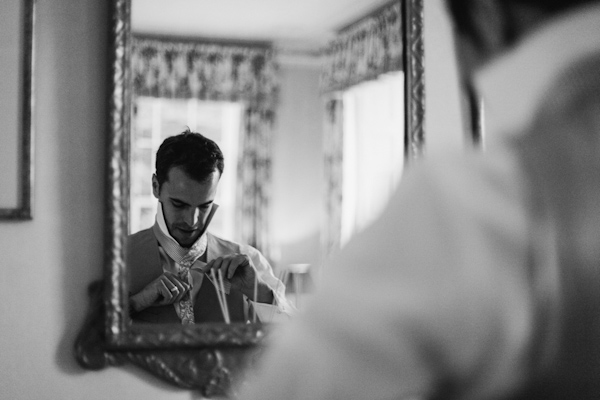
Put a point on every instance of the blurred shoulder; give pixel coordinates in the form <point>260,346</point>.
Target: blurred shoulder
<point>467,176</point>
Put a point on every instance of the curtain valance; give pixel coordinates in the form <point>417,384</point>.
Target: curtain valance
<point>208,71</point>
<point>364,50</point>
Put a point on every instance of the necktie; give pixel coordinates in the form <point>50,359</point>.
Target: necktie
<point>186,307</point>
<point>184,258</point>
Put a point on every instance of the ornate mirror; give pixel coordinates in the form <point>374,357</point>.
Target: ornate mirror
<point>204,357</point>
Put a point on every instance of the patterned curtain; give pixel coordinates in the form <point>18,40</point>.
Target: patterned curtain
<point>254,171</point>
<point>215,71</point>
<point>334,155</point>
<point>364,50</point>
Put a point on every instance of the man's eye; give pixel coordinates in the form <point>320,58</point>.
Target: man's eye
<point>178,205</point>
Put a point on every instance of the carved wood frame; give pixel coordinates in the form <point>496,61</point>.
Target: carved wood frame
<point>414,76</point>
<point>24,209</point>
<point>205,357</point>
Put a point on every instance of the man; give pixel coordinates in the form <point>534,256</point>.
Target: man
<point>181,273</point>
<point>481,279</point>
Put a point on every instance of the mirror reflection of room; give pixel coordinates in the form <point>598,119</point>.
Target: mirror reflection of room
<point>312,135</point>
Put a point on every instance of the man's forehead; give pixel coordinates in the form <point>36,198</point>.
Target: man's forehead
<point>178,173</point>
<point>182,187</point>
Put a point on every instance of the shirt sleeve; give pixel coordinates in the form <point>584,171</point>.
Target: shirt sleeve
<point>282,309</point>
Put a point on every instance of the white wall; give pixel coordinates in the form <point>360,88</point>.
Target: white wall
<point>444,130</point>
<point>48,262</point>
<point>297,200</point>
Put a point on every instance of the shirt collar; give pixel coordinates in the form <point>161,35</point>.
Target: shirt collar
<point>171,246</point>
<point>513,85</point>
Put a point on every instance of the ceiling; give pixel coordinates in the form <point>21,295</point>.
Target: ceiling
<point>292,25</point>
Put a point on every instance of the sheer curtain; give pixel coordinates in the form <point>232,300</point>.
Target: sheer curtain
<point>373,148</point>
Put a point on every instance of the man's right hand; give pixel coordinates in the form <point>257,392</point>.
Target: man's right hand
<point>166,289</point>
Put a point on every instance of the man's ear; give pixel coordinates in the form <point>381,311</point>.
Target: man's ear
<point>155,186</point>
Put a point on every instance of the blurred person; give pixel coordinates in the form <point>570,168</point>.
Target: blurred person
<point>481,278</point>
<point>169,264</point>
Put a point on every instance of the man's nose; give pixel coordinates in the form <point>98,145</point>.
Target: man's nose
<point>192,217</point>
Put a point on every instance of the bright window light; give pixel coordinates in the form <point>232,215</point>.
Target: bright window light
<point>373,149</point>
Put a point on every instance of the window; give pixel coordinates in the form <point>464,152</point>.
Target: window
<point>154,120</point>
<point>373,149</point>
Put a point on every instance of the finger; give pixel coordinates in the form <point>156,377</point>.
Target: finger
<point>220,263</point>
<point>228,264</point>
<point>241,261</point>
<point>211,264</point>
<point>246,259</point>
<point>182,289</point>
<point>181,286</point>
<point>177,286</point>
<point>165,291</point>
<point>174,280</point>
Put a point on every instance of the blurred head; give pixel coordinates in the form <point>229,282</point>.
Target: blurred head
<point>188,169</point>
<point>486,28</point>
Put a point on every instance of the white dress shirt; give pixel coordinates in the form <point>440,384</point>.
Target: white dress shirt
<point>280,310</point>
<point>436,291</point>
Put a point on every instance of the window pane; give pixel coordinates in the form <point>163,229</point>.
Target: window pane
<point>373,149</point>
<point>154,120</point>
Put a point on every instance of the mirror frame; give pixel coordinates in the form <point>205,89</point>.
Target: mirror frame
<point>24,166</point>
<point>203,357</point>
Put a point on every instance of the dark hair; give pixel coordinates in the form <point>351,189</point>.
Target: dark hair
<point>461,12</point>
<point>196,154</point>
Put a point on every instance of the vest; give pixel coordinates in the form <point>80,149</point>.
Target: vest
<point>143,266</point>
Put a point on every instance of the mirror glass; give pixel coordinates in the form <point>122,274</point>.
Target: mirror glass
<point>290,173</point>
<point>286,222</point>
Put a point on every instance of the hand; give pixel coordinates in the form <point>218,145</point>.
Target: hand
<point>239,270</point>
<point>166,289</point>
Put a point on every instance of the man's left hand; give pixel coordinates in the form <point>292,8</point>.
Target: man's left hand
<point>238,269</point>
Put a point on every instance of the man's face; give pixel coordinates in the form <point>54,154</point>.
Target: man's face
<point>186,203</point>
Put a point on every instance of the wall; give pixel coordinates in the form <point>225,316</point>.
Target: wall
<point>48,262</point>
<point>444,127</point>
<point>298,166</point>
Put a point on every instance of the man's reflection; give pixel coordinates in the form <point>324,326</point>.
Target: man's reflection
<point>181,273</point>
